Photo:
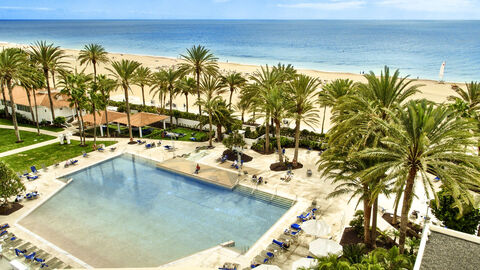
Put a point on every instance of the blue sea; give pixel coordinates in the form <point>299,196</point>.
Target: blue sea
<point>417,48</point>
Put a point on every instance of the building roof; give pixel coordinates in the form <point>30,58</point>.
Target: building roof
<point>101,119</point>
<point>443,248</point>
<point>20,97</point>
<point>142,119</point>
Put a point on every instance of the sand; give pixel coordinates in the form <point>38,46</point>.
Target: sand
<point>432,90</point>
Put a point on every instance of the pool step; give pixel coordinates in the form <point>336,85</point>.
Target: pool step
<point>264,196</point>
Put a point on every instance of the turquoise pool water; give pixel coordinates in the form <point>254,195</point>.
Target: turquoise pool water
<point>126,212</point>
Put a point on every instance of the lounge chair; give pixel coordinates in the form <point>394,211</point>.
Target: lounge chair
<point>309,172</point>
<point>223,159</point>
<point>34,170</point>
<point>31,256</point>
<point>25,173</point>
<point>101,149</point>
<point>2,233</point>
<point>193,139</point>
<point>4,226</point>
<point>84,154</point>
<point>112,149</point>
<point>148,146</point>
<point>32,195</point>
<point>296,226</point>
<point>33,177</point>
<point>281,244</point>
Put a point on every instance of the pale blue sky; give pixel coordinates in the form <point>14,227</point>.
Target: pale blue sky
<point>240,9</point>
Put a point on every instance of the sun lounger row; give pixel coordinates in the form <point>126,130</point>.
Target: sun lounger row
<point>14,248</point>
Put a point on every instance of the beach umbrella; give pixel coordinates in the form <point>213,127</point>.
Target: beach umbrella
<point>316,227</point>
<point>322,247</point>
<point>304,262</point>
<point>267,267</point>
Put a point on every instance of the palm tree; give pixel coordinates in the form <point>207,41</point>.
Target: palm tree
<point>93,54</point>
<point>332,92</point>
<point>198,61</point>
<point>211,87</point>
<point>142,79</point>
<point>74,85</point>
<point>171,77</point>
<point>12,66</point>
<point>187,86</point>
<point>470,97</point>
<point>276,103</point>
<point>105,87</point>
<point>124,72</point>
<point>159,86</point>
<point>94,101</point>
<point>37,82</point>
<point>47,56</point>
<point>233,80</point>
<point>27,82</point>
<point>425,138</point>
<point>302,90</point>
<point>2,87</point>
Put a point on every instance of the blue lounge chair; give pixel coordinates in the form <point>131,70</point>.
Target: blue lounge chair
<point>84,154</point>
<point>73,161</point>
<point>296,226</point>
<point>32,195</point>
<point>31,256</point>
<point>4,226</point>
<point>18,251</point>
<point>34,169</point>
<point>38,260</point>
<point>101,149</point>
<point>167,147</point>
<point>3,232</point>
<point>193,139</point>
<point>278,243</point>
<point>270,254</point>
<point>33,177</point>
<point>44,265</point>
<point>148,146</point>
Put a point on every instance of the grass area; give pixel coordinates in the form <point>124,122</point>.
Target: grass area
<point>8,139</point>
<point>8,122</point>
<point>189,133</point>
<point>48,155</point>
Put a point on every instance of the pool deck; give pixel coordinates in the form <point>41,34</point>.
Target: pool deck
<point>335,211</point>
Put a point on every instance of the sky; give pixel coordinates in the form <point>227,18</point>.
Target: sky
<point>240,9</point>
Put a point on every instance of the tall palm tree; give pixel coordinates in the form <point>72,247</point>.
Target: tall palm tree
<point>12,66</point>
<point>187,86</point>
<point>74,85</point>
<point>93,54</point>
<point>105,87</point>
<point>233,80</point>
<point>2,87</point>
<point>199,61</point>
<point>47,55</point>
<point>27,82</point>
<point>278,105</point>
<point>37,81</point>
<point>332,92</point>
<point>264,80</point>
<point>94,102</point>
<point>425,138</point>
<point>142,79</point>
<point>212,87</point>
<point>159,87</point>
<point>470,97</point>
<point>301,91</point>
<point>171,77</point>
<point>124,72</point>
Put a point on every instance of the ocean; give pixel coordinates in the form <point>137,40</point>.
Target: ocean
<point>417,48</point>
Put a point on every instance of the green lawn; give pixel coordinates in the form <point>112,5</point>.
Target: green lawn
<point>48,155</point>
<point>199,135</point>
<point>8,122</point>
<point>8,139</point>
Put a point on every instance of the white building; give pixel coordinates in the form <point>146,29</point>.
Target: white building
<point>60,104</point>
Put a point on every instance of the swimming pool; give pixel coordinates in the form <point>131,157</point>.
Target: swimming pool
<point>126,212</point>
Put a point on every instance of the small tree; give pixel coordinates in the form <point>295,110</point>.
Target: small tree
<point>10,184</point>
<point>234,140</point>
<point>447,211</point>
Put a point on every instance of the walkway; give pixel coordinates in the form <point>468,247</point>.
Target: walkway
<point>34,130</point>
<point>29,147</point>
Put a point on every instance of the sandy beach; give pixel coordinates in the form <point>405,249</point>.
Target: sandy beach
<point>432,90</point>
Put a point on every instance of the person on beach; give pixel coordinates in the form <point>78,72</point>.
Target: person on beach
<point>197,169</point>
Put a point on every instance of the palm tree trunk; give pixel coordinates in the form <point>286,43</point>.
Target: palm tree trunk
<point>323,120</point>
<point>82,133</point>
<point>2,85</point>
<point>210,129</point>
<point>106,120</point>
<point>143,95</point>
<point>198,93</point>
<point>279,143</point>
<point>127,105</point>
<point>267,135</point>
<point>170,90</point>
<point>14,112</point>
<point>53,78</point>
<point>367,211</point>
<point>186,101</point>
<point>94,126</point>
<point>94,64</point>
<point>45,72</point>
<point>30,104</point>
<point>219,132</point>
<point>36,112</point>
<point>374,223</point>
<point>297,141</point>
<point>406,207</point>
<point>230,100</point>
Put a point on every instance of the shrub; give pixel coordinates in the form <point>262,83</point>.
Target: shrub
<point>354,253</point>
<point>447,212</point>
<point>248,132</point>
<point>22,119</point>
<point>59,120</point>
<point>357,223</point>
<point>234,140</point>
<point>10,183</point>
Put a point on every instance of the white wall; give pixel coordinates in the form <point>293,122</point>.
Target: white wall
<point>44,112</point>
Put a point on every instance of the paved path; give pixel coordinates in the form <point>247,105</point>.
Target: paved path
<point>34,130</point>
<point>29,147</point>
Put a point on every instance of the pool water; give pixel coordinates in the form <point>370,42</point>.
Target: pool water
<point>126,212</point>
